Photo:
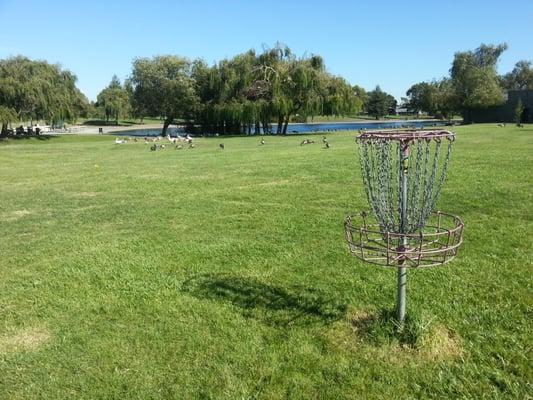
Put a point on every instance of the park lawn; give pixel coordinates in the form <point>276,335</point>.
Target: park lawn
<point>224,274</point>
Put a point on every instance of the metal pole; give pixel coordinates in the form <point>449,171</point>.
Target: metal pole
<point>402,270</point>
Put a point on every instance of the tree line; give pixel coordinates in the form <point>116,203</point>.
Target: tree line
<point>246,94</point>
<point>473,84</point>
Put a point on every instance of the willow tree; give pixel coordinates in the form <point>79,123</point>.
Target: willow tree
<point>251,91</point>
<point>162,86</point>
<point>37,90</point>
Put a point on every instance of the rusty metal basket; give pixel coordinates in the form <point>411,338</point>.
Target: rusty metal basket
<point>434,245</point>
<point>403,172</point>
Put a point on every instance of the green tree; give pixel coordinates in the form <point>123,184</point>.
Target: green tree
<point>250,91</point>
<point>378,103</point>
<point>445,105</point>
<point>518,112</point>
<point>36,90</point>
<point>475,80</point>
<point>361,98</point>
<point>521,77</point>
<point>422,96</point>
<point>163,86</point>
<point>113,101</point>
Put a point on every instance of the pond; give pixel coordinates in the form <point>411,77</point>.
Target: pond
<point>311,128</point>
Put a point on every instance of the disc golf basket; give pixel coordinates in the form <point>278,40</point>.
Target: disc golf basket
<point>403,172</point>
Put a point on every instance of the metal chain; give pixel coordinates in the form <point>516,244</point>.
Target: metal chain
<point>380,164</point>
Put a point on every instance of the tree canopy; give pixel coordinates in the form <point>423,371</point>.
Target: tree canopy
<point>249,91</point>
<point>521,77</point>
<point>380,103</point>
<point>163,86</point>
<point>38,90</point>
<point>475,80</point>
<point>113,101</point>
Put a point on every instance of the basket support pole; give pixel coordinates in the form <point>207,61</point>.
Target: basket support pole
<point>401,298</point>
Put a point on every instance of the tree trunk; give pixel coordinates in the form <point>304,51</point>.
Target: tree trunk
<point>167,122</point>
<point>4,129</point>
<point>265,128</point>
<point>286,125</point>
<point>257,128</point>
<point>280,125</point>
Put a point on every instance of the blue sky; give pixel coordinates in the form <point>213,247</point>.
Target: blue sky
<point>390,43</point>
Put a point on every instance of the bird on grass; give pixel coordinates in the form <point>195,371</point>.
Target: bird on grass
<point>221,145</point>
<point>262,142</point>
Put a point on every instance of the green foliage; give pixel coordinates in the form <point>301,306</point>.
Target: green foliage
<point>379,103</point>
<point>422,97</point>
<point>163,86</point>
<point>520,78</point>
<point>437,98</point>
<point>114,101</point>
<point>475,80</point>
<point>7,115</point>
<point>250,90</point>
<point>518,111</point>
<point>39,90</point>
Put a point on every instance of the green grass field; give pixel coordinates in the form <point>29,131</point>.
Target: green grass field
<point>224,274</point>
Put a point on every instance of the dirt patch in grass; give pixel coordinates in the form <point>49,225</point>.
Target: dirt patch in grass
<point>440,344</point>
<point>24,339</point>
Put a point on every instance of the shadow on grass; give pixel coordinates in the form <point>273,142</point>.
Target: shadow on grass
<point>26,137</point>
<point>273,305</point>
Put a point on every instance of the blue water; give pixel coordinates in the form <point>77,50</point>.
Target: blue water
<point>310,128</point>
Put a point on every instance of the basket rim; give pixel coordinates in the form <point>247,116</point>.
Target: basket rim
<point>371,245</point>
<point>406,135</point>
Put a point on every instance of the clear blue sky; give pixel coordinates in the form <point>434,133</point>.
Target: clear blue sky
<point>390,43</point>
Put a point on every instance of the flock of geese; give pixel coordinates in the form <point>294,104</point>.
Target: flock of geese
<point>182,142</point>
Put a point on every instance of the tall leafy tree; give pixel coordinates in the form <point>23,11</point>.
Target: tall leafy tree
<point>521,77</point>
<point>249,91</point>
<point>422,96</point>
<point>475,80</point>
<point>38,90</point>
<point>379,103</point>
<point>163,86</point>
<point>360,98</point>
<point>446,104</point>
<point>114,100</point>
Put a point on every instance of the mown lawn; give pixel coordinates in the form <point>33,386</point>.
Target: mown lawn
<point>224,274</point>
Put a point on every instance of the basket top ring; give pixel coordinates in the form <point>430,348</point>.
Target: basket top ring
<point>406,135</point>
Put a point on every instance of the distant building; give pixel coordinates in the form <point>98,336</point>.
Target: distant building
<point>402,111</point>
<point>505,112</point>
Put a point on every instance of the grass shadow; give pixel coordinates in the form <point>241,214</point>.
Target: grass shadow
<point>274,305</point>
<point>41,137</point>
